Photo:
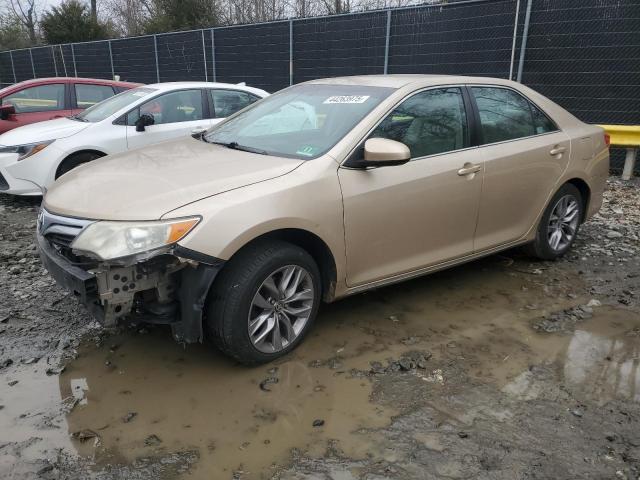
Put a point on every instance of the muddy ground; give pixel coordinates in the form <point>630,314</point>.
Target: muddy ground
<point>504,368</point>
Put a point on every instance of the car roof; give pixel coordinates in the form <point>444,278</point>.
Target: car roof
<point>166,86</point>
<point>399,80</point>
<point>50,80</point>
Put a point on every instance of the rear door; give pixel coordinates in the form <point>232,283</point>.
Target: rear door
<point>85,95</point>
<point>524,154</point>
<point>36,104</point>
<point>176,114</point>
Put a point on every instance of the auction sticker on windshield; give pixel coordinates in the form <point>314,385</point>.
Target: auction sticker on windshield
<point>347,99</point>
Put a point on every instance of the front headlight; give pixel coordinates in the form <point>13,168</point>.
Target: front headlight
<point>109,240</point>
<point>26,150</point>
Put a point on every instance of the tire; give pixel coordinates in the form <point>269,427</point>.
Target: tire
<point>240,300</point>
<point>74,161</point>
<point>547,245</point>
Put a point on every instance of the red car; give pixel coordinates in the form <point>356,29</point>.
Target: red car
<point>46,98</point>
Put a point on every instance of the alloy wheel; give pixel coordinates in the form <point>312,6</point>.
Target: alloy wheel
<point>281,308</point>
<point>563,223</point>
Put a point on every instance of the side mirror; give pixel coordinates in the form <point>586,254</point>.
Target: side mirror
<point>143,121</point>
<point>198,132</point>
<point>382,152</point>
<point>6,111</point>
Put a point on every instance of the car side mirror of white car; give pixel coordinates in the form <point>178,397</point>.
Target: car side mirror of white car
<point>144,121</point>
<point>381,152</point>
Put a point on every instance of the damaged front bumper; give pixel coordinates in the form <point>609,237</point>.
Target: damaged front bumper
<point>169,289</point>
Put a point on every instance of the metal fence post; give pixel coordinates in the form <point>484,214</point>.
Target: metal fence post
<point>13,68</point>
<point>513,43</point>
<point>33,67</point>
<point>290,52</point>
<point>204,57</point>
<point>213,55</point>
<point>155,49</point>
<point>386,43</point>
<point>64,64</point>
<point>525,35</point>
<point>113,73</point>
<point>55,64</point>
<point>73,58</point>
<point>629,163</point>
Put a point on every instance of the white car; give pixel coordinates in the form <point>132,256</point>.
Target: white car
<point>34,156</point>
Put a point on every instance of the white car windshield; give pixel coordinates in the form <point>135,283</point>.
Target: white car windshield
<point>108,107</point>
<point>302,122</point>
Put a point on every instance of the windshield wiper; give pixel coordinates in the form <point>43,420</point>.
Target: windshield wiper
<point>243,148</point>
<point>76,117</point>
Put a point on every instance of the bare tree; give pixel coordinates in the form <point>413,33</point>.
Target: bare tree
<point>128,16</point>
<point>26,11</point>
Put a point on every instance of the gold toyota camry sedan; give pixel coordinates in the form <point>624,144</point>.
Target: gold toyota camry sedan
<point>325,189</point>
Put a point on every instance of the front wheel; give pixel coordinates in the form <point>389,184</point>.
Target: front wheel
<point>263,301</point>
<point>559,224</point>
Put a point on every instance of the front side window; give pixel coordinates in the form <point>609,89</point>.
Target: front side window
<point>42,98</point>
<point>303,121</point>
<point>429,122</point>
<point>174,107</point>
<point>228,102</point>
<point>507,115</point>
<point>88,95</point>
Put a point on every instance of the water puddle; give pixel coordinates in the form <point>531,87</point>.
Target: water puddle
<point>146,395</point>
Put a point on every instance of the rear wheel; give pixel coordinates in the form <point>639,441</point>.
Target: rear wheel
<point>559,225</point>
<point>263,302</point>
<point>75,160</point>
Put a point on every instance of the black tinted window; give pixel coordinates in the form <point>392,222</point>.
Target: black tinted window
<point>504,114</point>
<point>430,122</point>
<point>542,123</point>
<point>228,102</point>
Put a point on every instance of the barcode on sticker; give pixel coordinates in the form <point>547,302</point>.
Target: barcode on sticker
<point>347,99</point>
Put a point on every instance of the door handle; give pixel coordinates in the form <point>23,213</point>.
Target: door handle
<point>469,169</point>
<point>556,150</point>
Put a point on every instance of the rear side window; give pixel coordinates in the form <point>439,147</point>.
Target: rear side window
<point>88,95</point>
<point>228,102</point>
<point>430,122</point>
<point>42,98</point>
<point>507,115</point>
<point>542,123</point>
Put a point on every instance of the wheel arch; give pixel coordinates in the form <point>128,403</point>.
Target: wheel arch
<point>314,246</point>
<point>585,193</point>
<point>77,152</point>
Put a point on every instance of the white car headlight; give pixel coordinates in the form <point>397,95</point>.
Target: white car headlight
<point>109,240</point>
<point>26,150</point>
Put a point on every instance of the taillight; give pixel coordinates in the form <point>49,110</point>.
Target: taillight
<point>607,139</point>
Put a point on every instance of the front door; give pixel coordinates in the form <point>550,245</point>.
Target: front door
<point>403,218</point>
<point>35,104</point>
<point>524,154</point>
<point>175,114</point>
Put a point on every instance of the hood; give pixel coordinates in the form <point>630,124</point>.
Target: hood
<point>42,131</point>
<point>146,183</point>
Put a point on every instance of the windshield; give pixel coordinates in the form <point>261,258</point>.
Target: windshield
<point>108,107</point>
<point>302,122</point>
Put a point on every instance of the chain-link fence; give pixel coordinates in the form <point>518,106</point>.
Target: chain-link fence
<point>583,54</point>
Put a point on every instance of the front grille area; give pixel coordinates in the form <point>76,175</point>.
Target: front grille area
<point>60,231</point>
<point>60,239</point>
<point>4,185</point>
